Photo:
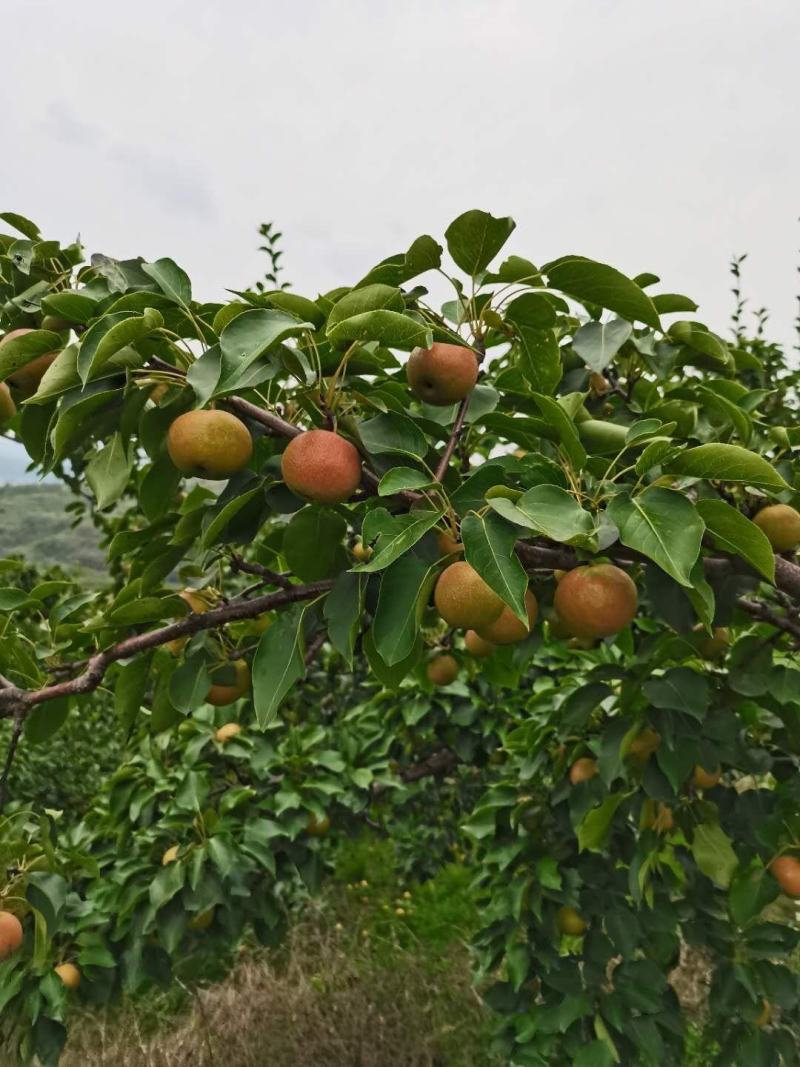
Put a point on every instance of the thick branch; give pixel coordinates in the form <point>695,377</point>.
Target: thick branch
<point>441,762</point>
<point>97,665</point>
<point>239,564</point>
<point>764,613</point>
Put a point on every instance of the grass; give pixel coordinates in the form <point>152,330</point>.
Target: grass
<point>344,990</point>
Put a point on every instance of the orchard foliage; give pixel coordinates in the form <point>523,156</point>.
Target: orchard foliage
<point>607,426</point>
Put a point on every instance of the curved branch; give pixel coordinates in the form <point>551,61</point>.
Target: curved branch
<point>15,700</point>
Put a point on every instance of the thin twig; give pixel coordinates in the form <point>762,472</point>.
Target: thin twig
<point>764,613</point>
<point>452,441</point>
<point>19,719</point>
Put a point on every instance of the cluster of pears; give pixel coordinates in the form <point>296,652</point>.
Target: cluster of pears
<point>11,936</point>
<point>590,602</point>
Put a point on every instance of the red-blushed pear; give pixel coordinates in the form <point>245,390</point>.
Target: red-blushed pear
<point>463,598</point>
<point>209,444</point>
<point>8,408</point>
<point>227,732</point>
<point>442,374</point>
<point>321,466</point>
<point>595,601</point>
<point>582,770</point>
<point>781,524</point>
<point>229,683</point>
<point>507,628</point>
<point>786,872</point>
<point>704,779</point>
<point>571,922</point>
<point>10,934</point>
<point>443,669</point>
<point>69,975</point>
<point>476,646</point>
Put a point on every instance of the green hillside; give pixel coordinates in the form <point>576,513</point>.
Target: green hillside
<point>34,522</point>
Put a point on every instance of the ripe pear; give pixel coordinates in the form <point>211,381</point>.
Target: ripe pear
<point>442,670</point>
<point>476,646</point>
<point>582,770</point>
<point>786,872</point>
<point>8,408</point>
<point>447,545</point>
<point>69,975</point>
<point>571,922</point>
<point>170,855</point>
<point>714,646</point>
<point>507,628</point>
<point>318,827</point>
<point>228,731</point>
<point>463,599</point>
<point>704,779</point>
<point>226,689</point>
<point>10,934</point>
<point>25,380</point>
<point>781,524</point>
<point>442,374</point>
<point>644,745</point>
<point>209,444</point>
<point>595,601</point>
<point>664,820</point>
<point>321,466</point>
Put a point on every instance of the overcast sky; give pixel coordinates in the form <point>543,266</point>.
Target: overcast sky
<point>659,136</point>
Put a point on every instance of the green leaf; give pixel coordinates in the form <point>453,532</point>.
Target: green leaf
<point>697,337</point>
<point>343,609</point>
<point>278,663</point>
<point>680,688</point>
<point>404,593</point>
<point>726,463</point>
<point>312,543</point>
<point>223,517</point>
<point>391,432</point>
<point>203,375</point>
<point>390,676</point>
<point>539,358</point>
<point>19,222</point>
<point>20,351</point>
<point>389,328</point>
<point>713,853</point>
<point>663,525</point>
<point>594,827</point>
<point>598,342</point>
<point>752,888</point>
<point>475,238</point>
<point>109,470</point>
<point>74,307</point>
<point>564,427</point>
<point>727,409</point>
<point>76,407</point>
<point>189,684</point>
<point>399,479</point>
<point>395,535</point>
<point>12,599</point>
<point>489,548</point>
<point>145,609</point>
<point>551,511</point>
<point>171,280</point>
<point>360,301</point>
<point>45,720</point>
<point>248,337</point>
<point>47,893</point>
<point>597,283</point>
<point>733,532</point>
<point>131,686</point>
<point>111,334</point>
<point>666,303</point>
<point>534,310</point>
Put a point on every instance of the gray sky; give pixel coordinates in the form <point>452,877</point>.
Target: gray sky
<point>653,135</point>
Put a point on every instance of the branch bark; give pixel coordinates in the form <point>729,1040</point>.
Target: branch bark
<point>14,700</point>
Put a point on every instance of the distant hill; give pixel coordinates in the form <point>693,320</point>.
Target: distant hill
<point>34,522</point>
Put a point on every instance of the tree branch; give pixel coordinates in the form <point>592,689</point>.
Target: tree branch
<point>19,719</point>
<point>455,433</point>
<point>439,762</point>
<point>240,564</point>
<point>764,613</point>
<point>13,700</point>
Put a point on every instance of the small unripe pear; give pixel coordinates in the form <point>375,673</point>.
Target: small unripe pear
<point>226,691</point>
<point>227,732</point>
<point>362,552</point>
<point>704,779</point>
<point>571,922</point>
<point>442,374</point>
<point>318,827</point>
<point>170,855</point>
<point>644,745</point>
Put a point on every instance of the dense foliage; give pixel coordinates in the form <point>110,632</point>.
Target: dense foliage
<point>622,753</point>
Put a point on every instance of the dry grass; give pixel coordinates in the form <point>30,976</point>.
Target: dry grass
<point>334,1001</point>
